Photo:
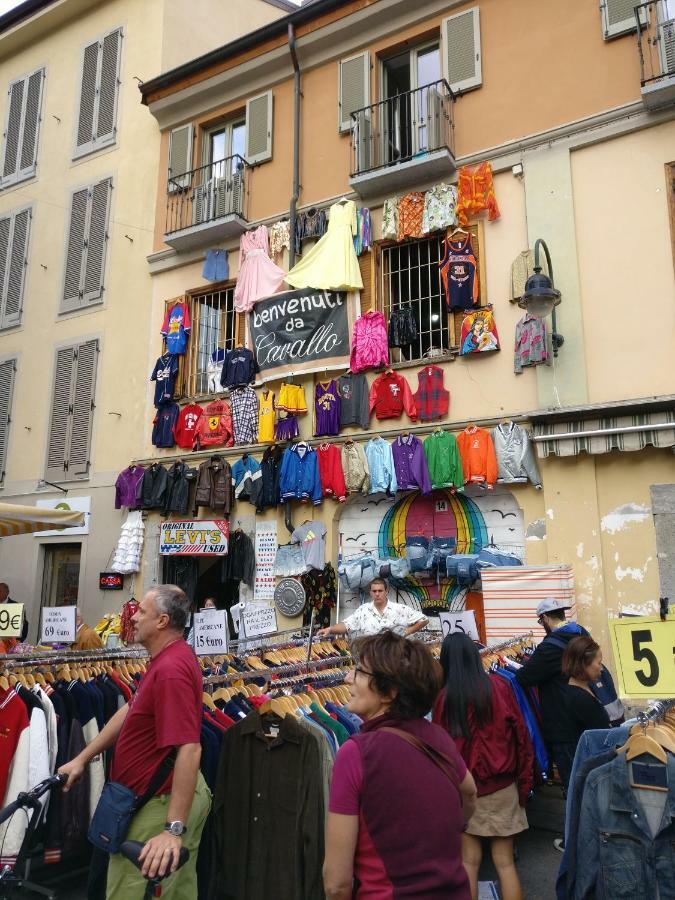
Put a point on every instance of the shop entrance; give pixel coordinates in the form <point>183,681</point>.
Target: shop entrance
<point>200,577</point>
<point>61,578</point>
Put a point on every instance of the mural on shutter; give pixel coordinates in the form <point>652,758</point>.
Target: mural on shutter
<point>72,297</point>
<point>108,88</point>
<point>618,17</point>
<point>83,409</point>
<point>259,128</point>
<point>7,370</point>
<point>462,50</point>
<point>180,157</point>
<point>13,128</point>
<point>31,123</point>
<point>59,425</point>
<point>17,261</point>
<point>97,240</point>
<point>85,121</point>
<point>354,92</point>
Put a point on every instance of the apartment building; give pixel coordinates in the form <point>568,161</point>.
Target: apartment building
<point>77,215</point>
<point>573,106</point>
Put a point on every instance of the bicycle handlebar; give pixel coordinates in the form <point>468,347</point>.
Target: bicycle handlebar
<point>29,799</point>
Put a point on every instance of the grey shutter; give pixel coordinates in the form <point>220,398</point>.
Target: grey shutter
<point>31,124</point>
<point>461,38</point>
<point>72,292</point>
<point>13,129</point>
<point>96,241</point>
<point>108,88</point>
<point>60,419</point>
<point>16,269</point>
<point>363,141</point>
<point>618,17</point>
<point>84,384</point>
<point>353,88</point>
<point>88,87</point>
<point>7,370</point>
<point>259,126</point>
<point>180,157</point>
<point>5,243</point>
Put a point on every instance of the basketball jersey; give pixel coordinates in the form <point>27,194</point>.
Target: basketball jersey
<point>459,272</point>
<point>266,418</point>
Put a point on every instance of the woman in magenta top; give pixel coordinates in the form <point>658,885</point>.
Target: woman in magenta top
<point>398,799</point>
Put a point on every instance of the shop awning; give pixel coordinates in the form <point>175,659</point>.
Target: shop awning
<point>605,433</point>
<point>26,519</point>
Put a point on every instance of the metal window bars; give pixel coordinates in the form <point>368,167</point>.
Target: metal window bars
<point>214,327</point>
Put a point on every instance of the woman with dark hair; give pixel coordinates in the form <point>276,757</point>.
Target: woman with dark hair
<point>582,664</point>
<point>481,714</point>
<point>401,774</point>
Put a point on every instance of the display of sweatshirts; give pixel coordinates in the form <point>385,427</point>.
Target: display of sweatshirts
<point>129,549</point>
<point>410,464</point>
<point>353,392</point>
<point>459,274</point>
<point>163,425</point>
<point>239,368</point>
<point>516,461</point>
<point>444,460</point>
<point>381,466</point>
<point>326,408</point>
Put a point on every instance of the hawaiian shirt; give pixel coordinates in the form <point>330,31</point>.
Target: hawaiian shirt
<point>367,620</point>
<point>439,208</point>
<point>390,218</point>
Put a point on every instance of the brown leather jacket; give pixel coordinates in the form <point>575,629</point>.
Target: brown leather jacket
<point>214,486</point>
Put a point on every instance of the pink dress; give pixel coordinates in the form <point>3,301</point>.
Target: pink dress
<point>369,342</point>
<point>258,276</point>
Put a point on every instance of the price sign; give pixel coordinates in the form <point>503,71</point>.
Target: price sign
<point>644,654</point>
<point>210,632</point>
<point>58,625</point>
<point>464,622</point>
<point>11,620</point>
<point>259,620</point>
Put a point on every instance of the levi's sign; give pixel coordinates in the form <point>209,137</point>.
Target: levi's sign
<point>295,330</point>
<point>194,537</point>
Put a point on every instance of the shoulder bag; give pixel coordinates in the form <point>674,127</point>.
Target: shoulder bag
<point>440,759</point>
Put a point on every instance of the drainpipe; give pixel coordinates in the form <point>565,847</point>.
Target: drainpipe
<point>292,46</point>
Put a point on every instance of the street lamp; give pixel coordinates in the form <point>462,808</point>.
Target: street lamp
<point>540,298</point>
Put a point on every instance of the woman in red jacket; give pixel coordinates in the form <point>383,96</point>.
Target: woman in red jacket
<point>481,713</point>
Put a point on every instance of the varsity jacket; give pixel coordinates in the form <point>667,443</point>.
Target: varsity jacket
<point>214,486</point>
<point>330,472</point>
<point>270,468</point>
<point>214,427</point>
<point>184,430</point>
<point>381,466</point>
<point>247,479</point>
<point>431,398</point>
<point>355,468</point>
<point>445,463</point>
<point>478,456</point>
<point>390,395</point>
<point>410,464</point>
<point>515,455</point>
<point>300,478</point>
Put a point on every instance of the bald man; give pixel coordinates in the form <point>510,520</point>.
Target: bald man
<point>5,598</point>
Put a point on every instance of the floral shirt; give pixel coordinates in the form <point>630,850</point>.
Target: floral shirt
<point>531,347</point>
<point>367,620</point>
<point>390,218</point>
<point>280,238</point>
<point>439,208</point>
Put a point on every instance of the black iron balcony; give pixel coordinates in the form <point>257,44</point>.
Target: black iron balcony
<point>403,140</point>
<point>656,45</point>
<point>207,204</point>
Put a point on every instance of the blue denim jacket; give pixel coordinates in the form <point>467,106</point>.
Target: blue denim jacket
<point>616,854</point>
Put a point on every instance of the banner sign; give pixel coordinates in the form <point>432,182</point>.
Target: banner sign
<point>265,552</point>
<point>464,622</point>
<point>259,620</point>
<point>11,620</point>
<point>58,625</point>
<point>300,331</point>
<point>210,628</point>
<point>644,653</point>
<point>194,537</point>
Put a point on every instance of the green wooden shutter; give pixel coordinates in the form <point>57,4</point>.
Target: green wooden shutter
<point>59,425</point>
<point>72,291</point>
<point>17,261</point>
<point>461,54</point>
<point>96,242</point>
<point>108,87</point>
<point>31,124</point>
<point>180,157</point>
<point>84,383</point>
<point>88,86</point>
<point>7,371</point>
<point>259,125</point>
<point>353,88</point>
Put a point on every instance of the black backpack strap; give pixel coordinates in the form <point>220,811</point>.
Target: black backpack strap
<point>158,780</point>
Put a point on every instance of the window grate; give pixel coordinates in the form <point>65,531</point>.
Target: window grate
<point>411,274</point>
<point>213,328</point>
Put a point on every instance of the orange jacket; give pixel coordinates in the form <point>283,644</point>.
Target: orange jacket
<point>479,460</point>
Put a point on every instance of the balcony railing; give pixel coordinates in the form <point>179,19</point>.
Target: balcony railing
<point>656,45</point>
<point>403,128</point>
<point>203,196</point>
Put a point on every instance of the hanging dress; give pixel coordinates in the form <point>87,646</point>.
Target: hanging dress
<point>332,263</point>
<point>258,276</point>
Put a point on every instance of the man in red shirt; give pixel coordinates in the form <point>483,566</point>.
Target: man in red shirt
<point>162,718</point>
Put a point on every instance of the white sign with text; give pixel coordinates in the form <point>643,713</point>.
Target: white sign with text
<point>464,622</point>
<point>58,625</point>
<point>259,620</point>
<point>210,627</point>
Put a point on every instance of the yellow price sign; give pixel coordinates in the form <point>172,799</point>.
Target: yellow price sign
<point>11,619</point>
<point>644,653</point>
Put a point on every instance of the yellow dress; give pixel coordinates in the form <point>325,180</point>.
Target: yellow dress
<point>332,263</point>
<point>266,418</point>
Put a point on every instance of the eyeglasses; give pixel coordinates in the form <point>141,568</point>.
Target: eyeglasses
<point>363,672</point>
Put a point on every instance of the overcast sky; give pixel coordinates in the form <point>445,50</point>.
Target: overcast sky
<point>6,5</point>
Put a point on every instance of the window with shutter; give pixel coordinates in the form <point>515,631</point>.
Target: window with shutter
<point>259,123</point>
<point>99,90</point>
<point>97,240</point>
<point>618,17</point>
<point>71,418</point>
<point>353,88</point>
<point>462,57</point>
<point>14,235</point>
<point>7,370</point>
<point>22,128</point>
<point>366,268</point>
<point>180,157</point>
<point>87,244</point>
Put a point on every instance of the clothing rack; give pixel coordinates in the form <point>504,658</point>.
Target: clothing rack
<point>504,645</point>
<point>658,709</point>
<point>63,657</point>
<point>299,636</point>
<point>303,668</point>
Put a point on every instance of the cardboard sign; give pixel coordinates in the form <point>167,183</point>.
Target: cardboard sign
<point>11,620</point>
<point>644,655</point>
<point>210,627</point>
<point>58,625</point>
<point>259,620</point>
<point>459,621</point>
<point>194,537</point>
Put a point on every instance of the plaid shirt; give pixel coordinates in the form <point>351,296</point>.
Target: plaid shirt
<point>244,415</point>
<point>432,400</point>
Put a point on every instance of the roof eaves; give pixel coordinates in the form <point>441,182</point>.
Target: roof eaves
<point>22,12</point>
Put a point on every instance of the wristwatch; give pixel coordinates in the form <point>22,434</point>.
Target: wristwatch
<point>176,828</point>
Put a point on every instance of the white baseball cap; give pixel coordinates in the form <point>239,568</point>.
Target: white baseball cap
<point>550,604</point>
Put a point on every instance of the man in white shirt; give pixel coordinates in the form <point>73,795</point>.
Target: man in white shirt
<point>378,615</point>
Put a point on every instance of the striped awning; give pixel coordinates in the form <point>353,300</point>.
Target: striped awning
<point>600,435</point>
<point>26,519</point>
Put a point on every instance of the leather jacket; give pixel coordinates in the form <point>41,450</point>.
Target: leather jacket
<point>214,486</point>
<point>153,487</point>
<point>178,488</point>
